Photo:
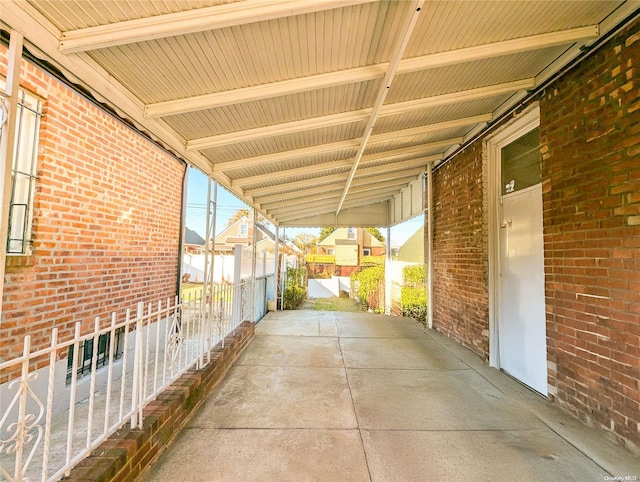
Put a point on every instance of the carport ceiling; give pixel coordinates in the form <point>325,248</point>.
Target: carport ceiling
<point>311,110</point>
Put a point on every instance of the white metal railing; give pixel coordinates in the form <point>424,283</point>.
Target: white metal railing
<point>50,422</point>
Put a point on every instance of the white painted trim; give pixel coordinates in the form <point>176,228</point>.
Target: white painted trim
<point>191,21</point>
<point>355,116</point>
<point>526,121</point>
<point>362,74</point>
<point>325,148</point>
<point>429,214</point>
<point>408,25</point>
<point>320,169</point>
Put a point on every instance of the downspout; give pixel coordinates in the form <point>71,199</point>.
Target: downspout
<point>207,239</point>
<point>429,193</point>
<point>214,203</point>
<point>276,268</point>
<point>253,266</point>
<point>387,275</point>
<point>183,217</point>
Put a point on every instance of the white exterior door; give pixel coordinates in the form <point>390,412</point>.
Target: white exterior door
<point>522,325</point>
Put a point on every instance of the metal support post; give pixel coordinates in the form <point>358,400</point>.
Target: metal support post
<point>387,275</point>
<point>276,267</point>
<point>429,245</point>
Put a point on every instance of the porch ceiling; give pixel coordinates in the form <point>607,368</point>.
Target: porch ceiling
<point>316,112</point>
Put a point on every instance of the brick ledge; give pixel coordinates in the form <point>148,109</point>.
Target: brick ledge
<point>125,454</point>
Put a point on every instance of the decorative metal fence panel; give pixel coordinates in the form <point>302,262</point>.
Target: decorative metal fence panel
<point>111,374</point>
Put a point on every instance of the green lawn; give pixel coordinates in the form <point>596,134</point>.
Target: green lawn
<point>190,288</point>
<point>336,304</point>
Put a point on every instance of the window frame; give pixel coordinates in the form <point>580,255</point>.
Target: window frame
<point>25,154</point>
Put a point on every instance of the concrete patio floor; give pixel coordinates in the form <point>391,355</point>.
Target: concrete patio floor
<point>335,396</point>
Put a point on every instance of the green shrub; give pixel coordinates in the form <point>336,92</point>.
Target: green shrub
<point>294,290</point>
<point>367,284</point>
<point>294,296</point>
<point>414,292</point>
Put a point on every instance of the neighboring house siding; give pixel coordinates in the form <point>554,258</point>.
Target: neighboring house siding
<point>347,255</point>
<point>106,223</point>
<point>591,212</point>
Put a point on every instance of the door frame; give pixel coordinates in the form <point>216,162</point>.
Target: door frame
<point>525,122</point>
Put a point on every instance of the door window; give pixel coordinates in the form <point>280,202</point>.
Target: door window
<point>521,163</point>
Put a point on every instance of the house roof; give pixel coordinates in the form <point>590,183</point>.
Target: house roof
<point>193,238</point>
<point>316,112</point>
<point>224,233</point>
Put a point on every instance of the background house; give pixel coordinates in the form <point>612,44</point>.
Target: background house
<point>239,232</point>
<point>349,246</point>
<point>193,242</point>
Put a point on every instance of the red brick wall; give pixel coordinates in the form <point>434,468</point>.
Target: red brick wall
<point>106,220</point>
<point>460,270</point>
<point>590,134</point>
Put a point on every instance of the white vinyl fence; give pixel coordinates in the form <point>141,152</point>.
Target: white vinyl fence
<point>111,374</point>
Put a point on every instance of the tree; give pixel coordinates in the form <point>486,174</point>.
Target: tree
<point>237,215</point>
<point>375,232</point>
<point>305,241</point>
<point>326,232</point>
<point>243,212</point>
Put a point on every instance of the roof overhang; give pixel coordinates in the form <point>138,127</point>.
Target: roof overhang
<point>315,112</point>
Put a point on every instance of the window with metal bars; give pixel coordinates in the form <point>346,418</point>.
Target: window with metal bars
<point>23,173</point>
<point>85,353</point>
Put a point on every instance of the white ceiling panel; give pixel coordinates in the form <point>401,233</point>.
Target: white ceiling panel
<point>273,99</point>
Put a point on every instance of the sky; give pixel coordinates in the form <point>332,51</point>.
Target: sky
<point>228,204</point>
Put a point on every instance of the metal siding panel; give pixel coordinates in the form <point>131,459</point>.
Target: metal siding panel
<point>406,203</point>
<point>451,25</point>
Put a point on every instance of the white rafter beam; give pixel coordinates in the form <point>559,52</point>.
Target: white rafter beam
<point>321,181</point>
<point>284,156</point>
<point>406,29</point>
<point>323,193</point>
<point>382,195</point>
<point>191,21</point>
<point>381,156</point>
<point>356,116</point>
<point>455,97</point>
<point>277,129</point>
<point>327,210</point>
<point>426,129</point>
<point>350,144</point>
<point>335,178</point>
<point>394,166</point>
<point>391,167</point>
<point>311,193</point>
<point>362,74</point>
<point>288,196</point>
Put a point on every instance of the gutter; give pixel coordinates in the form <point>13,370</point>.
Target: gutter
<point>531,94</point>
<point>183,217</point>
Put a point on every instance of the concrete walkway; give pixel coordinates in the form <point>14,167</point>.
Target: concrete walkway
<point>332,396</point>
